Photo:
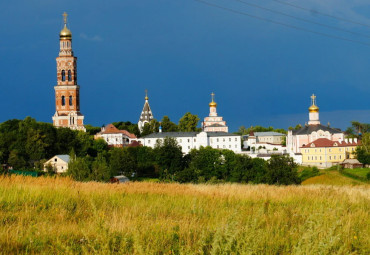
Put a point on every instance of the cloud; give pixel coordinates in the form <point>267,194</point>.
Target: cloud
<point>95,38</point>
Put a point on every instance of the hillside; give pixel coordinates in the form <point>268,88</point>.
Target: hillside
<point>58,215</point>
<point>334,177</point>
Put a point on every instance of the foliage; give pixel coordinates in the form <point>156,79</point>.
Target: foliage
<point>245,131</point>
<point>282,170</point>
<point>308,172</point>
<point>151,127</point>
<point>363,151</point>
<point>168,125</point>
<point>189,123</point>
<point>169,156</point>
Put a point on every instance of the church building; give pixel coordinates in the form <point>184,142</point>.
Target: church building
<point>67,92</point>
<point>146,114</point>
<point>311,131</point>
<point>214,123</point>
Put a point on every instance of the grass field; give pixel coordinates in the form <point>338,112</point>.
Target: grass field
<point>60,216</point>
<point>360,172</point>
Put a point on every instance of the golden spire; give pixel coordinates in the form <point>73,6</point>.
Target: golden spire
<point>213,103</point>
<point>313,107</point>
<point>146,95</point>
<point>65,33</point>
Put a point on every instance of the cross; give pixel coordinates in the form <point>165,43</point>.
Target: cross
<point>65,17</point>
<point>313,97</point>
<point>146,93</point>
<point>213,95</point>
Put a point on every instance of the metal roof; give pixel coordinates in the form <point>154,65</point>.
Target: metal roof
<point>186,134</point>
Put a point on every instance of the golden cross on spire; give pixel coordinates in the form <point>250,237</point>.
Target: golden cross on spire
<point>313,97</point>
<point>213,96</point>
<point>65,18</point>
<point>146,94</point>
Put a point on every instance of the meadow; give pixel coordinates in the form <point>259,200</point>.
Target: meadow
<point>55,215</point>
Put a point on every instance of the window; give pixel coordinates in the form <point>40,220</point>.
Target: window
<point>180,140</point>
<point>218,147</point>
<point>55,160</point>
<point>70,100</point>
<point>224,139</point>
<point>335,157</point>
<point>229,139</point>
<point>330,157</point>
<point>229,146</point>
<point>188,140</point>
<point>217,139</point>
<point>236,139</point>
<point>75,74</point>
<point>195,140</point>
<point>63,75</point>
<point>315,157</point>
<point>69,75</point>
<point>320,157</point>
<point>236,146</point>
<point>224,146</point>
<point>329,150</point>
<point>63,101</point>
<point>148,141</point>
<point>340,157</point>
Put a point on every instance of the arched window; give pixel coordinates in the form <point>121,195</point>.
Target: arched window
<point>70,100</point>
<point>63,101</point>
<point>63,75</point>
<point>69,75</point>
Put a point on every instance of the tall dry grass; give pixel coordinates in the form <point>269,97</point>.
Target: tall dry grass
<point>58,215</point>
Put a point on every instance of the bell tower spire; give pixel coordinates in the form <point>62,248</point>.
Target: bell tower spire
<point>146,115</point>
<point>67,92</point>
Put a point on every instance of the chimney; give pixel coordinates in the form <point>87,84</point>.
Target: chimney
<point>350,140</point>
<point>346,140</point>
<point>160,129</point>
<point>103,128</point>
<point>355,139</point>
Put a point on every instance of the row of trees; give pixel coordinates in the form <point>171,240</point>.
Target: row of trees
<point>167,162</point>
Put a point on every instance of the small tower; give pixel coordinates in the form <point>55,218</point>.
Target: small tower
<point>146,115</point>
<point>313,112</point>
<point>67,92</point>
<point>214,123</point>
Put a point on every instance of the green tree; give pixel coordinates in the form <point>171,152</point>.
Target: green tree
<point>100,170</point>
<point>78,168</point>
<point>122,162</point>
<point>207,162</point>
<point>168,125</point>
<point>151,127</point>
<point>168,157</point>
<point>189,123</point>
<point>16,160</point>
<point>282,170</point>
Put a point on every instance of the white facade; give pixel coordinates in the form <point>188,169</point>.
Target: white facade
<point>194,140</point>
<point>115,137</point>
<point>59,163</point>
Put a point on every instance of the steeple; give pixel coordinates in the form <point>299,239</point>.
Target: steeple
<point>67,92</point>
<point>214,123</point>
<point>146,114</point>
<point>313,112</point>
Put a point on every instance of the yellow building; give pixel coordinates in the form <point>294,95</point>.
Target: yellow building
<point>326,153</point>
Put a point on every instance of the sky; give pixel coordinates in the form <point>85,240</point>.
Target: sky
<point>262,66</point>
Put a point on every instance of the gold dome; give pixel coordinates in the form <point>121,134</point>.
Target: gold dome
<point>212,104</point>
<point>65,33</point>
<point>313,108</point>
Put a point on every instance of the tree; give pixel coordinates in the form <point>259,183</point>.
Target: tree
<point>16,160</point>
<point>282,170</point>
<point>151,127</point>
<point>100,170</point>
<point>122,162</point>
<point>168,125</point>
<point>242,131</point>
<point>363,151</point>
<point>78,168</point>
<point>189,123</point>
<point>168,157</point>
<point>207,162</point>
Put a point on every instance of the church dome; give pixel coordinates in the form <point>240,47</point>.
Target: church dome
<point>65,33</point>
<point>212,104</point>
<point>313,108</point>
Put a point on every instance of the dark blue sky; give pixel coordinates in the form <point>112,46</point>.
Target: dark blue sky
<point>181,51</point>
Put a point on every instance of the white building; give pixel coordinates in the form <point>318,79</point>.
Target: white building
<point>194,140</point>
<point>311,131</point>
<point>115,137</point>
<point>269,140</point>
<point>59,163</point>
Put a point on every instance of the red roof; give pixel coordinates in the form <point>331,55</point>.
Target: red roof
<point>324,142</point>
<point>111,129</point>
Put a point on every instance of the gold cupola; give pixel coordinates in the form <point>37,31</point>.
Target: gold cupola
<point>213,103</point>
<point>65,34</point>
<point>313,107</point>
